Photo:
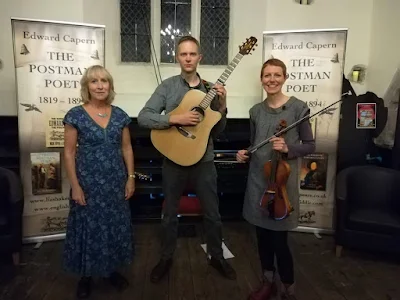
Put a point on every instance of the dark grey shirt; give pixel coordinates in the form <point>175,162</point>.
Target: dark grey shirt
<point>167,96</point>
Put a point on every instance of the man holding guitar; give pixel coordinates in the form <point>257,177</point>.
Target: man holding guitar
<point>202,176</point>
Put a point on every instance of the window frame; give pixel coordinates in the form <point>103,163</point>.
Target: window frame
<point>155,27</point>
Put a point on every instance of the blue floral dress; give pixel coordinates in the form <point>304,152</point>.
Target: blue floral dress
<point>99,235</point>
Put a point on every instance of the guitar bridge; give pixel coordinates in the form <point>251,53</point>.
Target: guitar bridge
<point>186,133</point>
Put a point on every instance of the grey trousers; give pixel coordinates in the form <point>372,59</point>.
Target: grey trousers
<point>202,177</point>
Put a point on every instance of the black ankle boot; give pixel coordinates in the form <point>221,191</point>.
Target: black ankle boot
<point>118,281</point>
<point>84,288</point>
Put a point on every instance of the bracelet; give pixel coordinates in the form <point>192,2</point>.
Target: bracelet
<point>132,176</point>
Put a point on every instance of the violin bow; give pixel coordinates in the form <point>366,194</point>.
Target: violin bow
<point>279,133</point>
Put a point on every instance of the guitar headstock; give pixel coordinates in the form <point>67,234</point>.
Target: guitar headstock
<point>248,46</point>
<point>142,176</point>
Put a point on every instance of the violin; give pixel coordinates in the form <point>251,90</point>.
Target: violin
<point>276,171</point>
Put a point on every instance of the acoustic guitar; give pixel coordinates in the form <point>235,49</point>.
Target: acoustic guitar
<point>186,145</point>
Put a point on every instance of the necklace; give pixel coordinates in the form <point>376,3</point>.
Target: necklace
<point>105,114</point>
<point>102,115</point>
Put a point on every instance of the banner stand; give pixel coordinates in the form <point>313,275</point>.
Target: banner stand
<point>315,65</point>
<point>44,238</point>
<point>314,230</point>
<point>50,58</point>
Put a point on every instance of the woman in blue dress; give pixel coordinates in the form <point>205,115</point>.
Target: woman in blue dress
<point>100,165</point>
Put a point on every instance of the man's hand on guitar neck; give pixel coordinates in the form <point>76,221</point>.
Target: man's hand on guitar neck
<point>187,118</point>
<point>221,92</point>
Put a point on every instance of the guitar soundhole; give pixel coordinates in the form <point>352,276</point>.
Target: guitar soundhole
<point>200,111</point>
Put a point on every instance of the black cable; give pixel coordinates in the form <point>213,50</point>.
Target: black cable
<point>155,65</point>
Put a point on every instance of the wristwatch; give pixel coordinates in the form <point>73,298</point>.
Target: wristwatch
<point>132,176</point>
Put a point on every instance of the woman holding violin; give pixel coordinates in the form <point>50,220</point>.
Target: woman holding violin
<point>272,198</point>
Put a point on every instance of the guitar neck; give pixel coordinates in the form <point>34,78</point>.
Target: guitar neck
<point>221,80</point>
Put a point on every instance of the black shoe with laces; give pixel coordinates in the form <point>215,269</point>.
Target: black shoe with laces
<point>223,267</point>
<point>84,288</point>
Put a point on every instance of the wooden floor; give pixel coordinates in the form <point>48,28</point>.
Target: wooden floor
<point>319,274</point>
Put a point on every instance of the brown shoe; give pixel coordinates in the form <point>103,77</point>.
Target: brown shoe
<point>264,292</point>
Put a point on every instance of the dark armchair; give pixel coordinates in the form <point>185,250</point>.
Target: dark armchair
<point>11,209</point>
<point>368,209</point>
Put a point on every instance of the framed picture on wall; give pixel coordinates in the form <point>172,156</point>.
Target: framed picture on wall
<point>366,116</point>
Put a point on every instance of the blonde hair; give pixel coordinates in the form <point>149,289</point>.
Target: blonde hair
<point>89,74</point>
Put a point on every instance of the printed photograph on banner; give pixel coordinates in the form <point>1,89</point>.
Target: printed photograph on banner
<point>55,131</point>
<point>46,173</point>
<point>366,116</point>
<point>313,172</point>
